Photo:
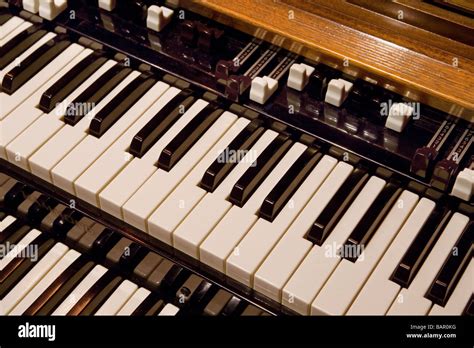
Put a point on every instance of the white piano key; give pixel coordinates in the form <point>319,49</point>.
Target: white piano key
<point>379,291</point>
<point>70,301</point>
<point>14,32</point>
<point>28,95</point>
<point>142,204</point>
<point>7,221</point>
<point>263,236</point>
<point>132,304</point>
<point>169,310</point>
<point>460,296</point>
<point>320,262</point>
<point>349,277</point>
<point>182,200</point>
<point>18,117</point>
<point>10,25</point>
<point>46,37</point>
<point>45,282</point>
<point>19,247</point>
<point>119,297</point>
<point>84,154</point>
<point>223,239</point>
<point>58,146</point>
<point>32,278</point>
<point>412,301</point>
<point>112,161</point>
<point>32,138</point>
<point>129,180</point>
<point>293,247</point>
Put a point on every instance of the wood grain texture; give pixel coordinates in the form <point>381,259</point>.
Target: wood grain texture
<point>402,58</point>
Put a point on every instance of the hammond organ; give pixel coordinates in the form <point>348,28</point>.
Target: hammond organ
<point>245,157</point>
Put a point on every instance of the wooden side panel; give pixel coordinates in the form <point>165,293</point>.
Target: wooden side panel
<point>412,66</point>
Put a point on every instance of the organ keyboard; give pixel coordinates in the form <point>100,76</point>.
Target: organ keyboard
<point>155,161</point>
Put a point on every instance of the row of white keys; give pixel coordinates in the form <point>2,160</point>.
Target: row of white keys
<point>45,282</point>
<point>88,150</point>
<point>46,37</point>
<point>58,146</point>
<point>129,180</point>
<point>412,301</point>
<point>23,26</point>
<point>321,261</point>
<point>460,295</point>
<point>284,259</point>
<point>225,236</point>
<point>263,236</point>
<point>22,288</point>
<point>118,298</point>
<point>349,277</point>
<point>80,290</point>
<point>183,199</point>
<point>32,138</point>
<point>203,214</point>
<point>23,102</point>
<point>111,162</point>
<point>23,244</point>
<point>134,301</point>
<point>169,310</point>
<point>20,113</point>
<point>10,25</point>
<point>7,221</point>
<point>379,292</point>
<point>142,204</point>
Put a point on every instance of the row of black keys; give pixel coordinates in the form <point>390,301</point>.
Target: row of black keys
<point>168,282</point>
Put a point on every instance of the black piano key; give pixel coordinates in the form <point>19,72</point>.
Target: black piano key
<point>4,17</point>
<point>19,267</point>
<point>173,280</point>
<point>289,183</point>
<point>233,308</point>
<point>373,218</point>
<point>17,195</point>
<point>202,296</point>
<point>70,81</point>
<point>104,242</point>
<point>65,222</point>
<point>120,104</point>
<point>337,206</point>
<point>131,257</point>
<point>57,284</point>
<point>453,267</point>
<point>160,123</point>
<point>469,310</point>
<point>188,136</point>
<point>19,44</point>
<point>219,169</point>
<point>60,289</point>
<point>420,247</point>
<point>3,215</point>
<point>36,61</point>
<point>96,295</point>
<point>41,208</point>
<point>255,174</point>
<point>95,93</point>
<point>151,306</point>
